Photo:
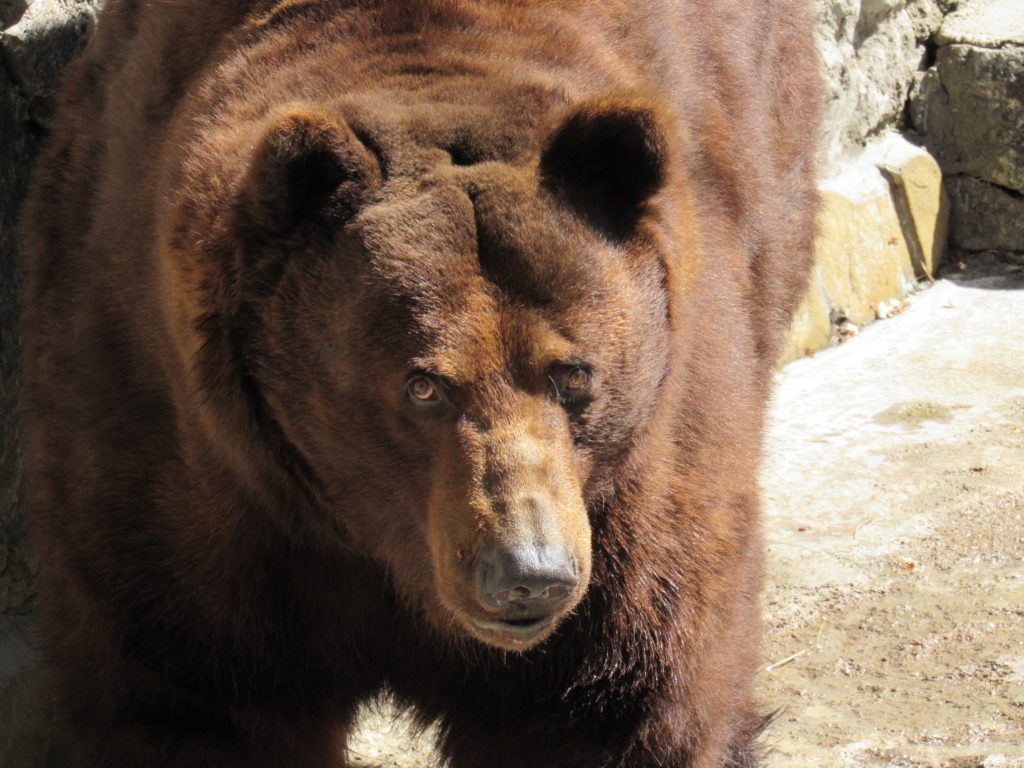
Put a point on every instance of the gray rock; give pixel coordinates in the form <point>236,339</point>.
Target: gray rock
<point>16,152</point>
<point>970,112</point>
<point>924,91</point>
<point>47,36</point>
<point>926,17</point>
<point>984,216</point>
<point>870,54</point>
<point>984,23</point>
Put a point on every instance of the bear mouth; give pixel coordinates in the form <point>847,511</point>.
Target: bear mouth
<point>522,633</point>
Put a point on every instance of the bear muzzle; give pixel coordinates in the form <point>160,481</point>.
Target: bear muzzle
<point>525,585</point>
<point>523,590</point>
<point>509,530</point>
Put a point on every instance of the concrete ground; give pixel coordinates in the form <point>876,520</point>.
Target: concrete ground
<point>894,518</point>
<point>895,527</point>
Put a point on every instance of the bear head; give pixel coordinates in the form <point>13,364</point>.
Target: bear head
<point>450,331</point>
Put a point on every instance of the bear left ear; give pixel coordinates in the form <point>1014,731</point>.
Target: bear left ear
<point>307,169</point>
<point>606,159</point>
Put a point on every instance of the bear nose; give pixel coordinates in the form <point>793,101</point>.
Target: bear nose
<point>525,580</point>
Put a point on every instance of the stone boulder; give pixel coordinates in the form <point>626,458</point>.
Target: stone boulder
<point>39,46</point>
<point>969,110</point>
<point>973,115</point>
<point>984,23</point>
<point>881,231</point>
<point>985,216</point>
<point>870,52</point>
<point>927,15</point>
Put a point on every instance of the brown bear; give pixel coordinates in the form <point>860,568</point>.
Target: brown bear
<point>413,347</point>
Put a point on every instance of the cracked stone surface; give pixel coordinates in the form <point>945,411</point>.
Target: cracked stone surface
<point>869,53</point>
<point>969,110</point>
<point>973,117</point>
<point>984,216</point>
<point>984,23</point>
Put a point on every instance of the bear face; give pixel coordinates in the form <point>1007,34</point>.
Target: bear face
<point>440,342</point>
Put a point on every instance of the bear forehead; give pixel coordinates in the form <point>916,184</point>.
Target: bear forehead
<point>479,273</point>
<point>457,228</point>
<point>460,120</point>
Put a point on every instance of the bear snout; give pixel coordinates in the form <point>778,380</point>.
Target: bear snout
<point>525,582</point>
<point>509,531</point>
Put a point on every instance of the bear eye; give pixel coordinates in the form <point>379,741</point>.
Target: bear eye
<point>571,382</point>
<point>422,389</point>
<point>578,379</point>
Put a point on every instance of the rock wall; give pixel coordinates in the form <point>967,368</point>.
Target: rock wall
<point>969,109</point>
<point>884,218</point>
<point>909,81</point>
<point>882,230</point>
<point>38,40</point>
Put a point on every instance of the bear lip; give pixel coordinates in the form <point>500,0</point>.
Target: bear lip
<point>513,632</point>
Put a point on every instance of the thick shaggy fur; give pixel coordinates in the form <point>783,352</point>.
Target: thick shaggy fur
<point>255,219</point>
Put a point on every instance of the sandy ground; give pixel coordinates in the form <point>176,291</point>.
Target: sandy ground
<point>894,518</point>
<point>895,527</point>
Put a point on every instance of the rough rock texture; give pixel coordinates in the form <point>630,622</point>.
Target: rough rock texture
<point>969,109</point>
<point>39,40</point>
<point>985,216</point>
<point>38,47</point>
<point>881,229</point>
<point>973,121</point>
<point>880,226</point>
<point>921,203</point>
<point>926,17</point>
<point>44,36</point>
<point>813,326</point>
<point>985,23</point>
<point>870,53</point>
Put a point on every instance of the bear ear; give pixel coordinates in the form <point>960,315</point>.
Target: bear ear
<point>606,159</point>
<point>307,170</point>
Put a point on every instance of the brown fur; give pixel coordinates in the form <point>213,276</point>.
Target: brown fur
<point>256,219</point>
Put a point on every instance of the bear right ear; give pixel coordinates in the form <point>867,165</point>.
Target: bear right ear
<point>607,159</point>
<point>308,169</point>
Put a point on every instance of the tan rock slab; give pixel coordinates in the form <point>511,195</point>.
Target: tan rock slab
<point>861,252</point>
<point>811,327</point>
<point>984,23</point>
<point>921,202</point>
<point>882,228</point>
